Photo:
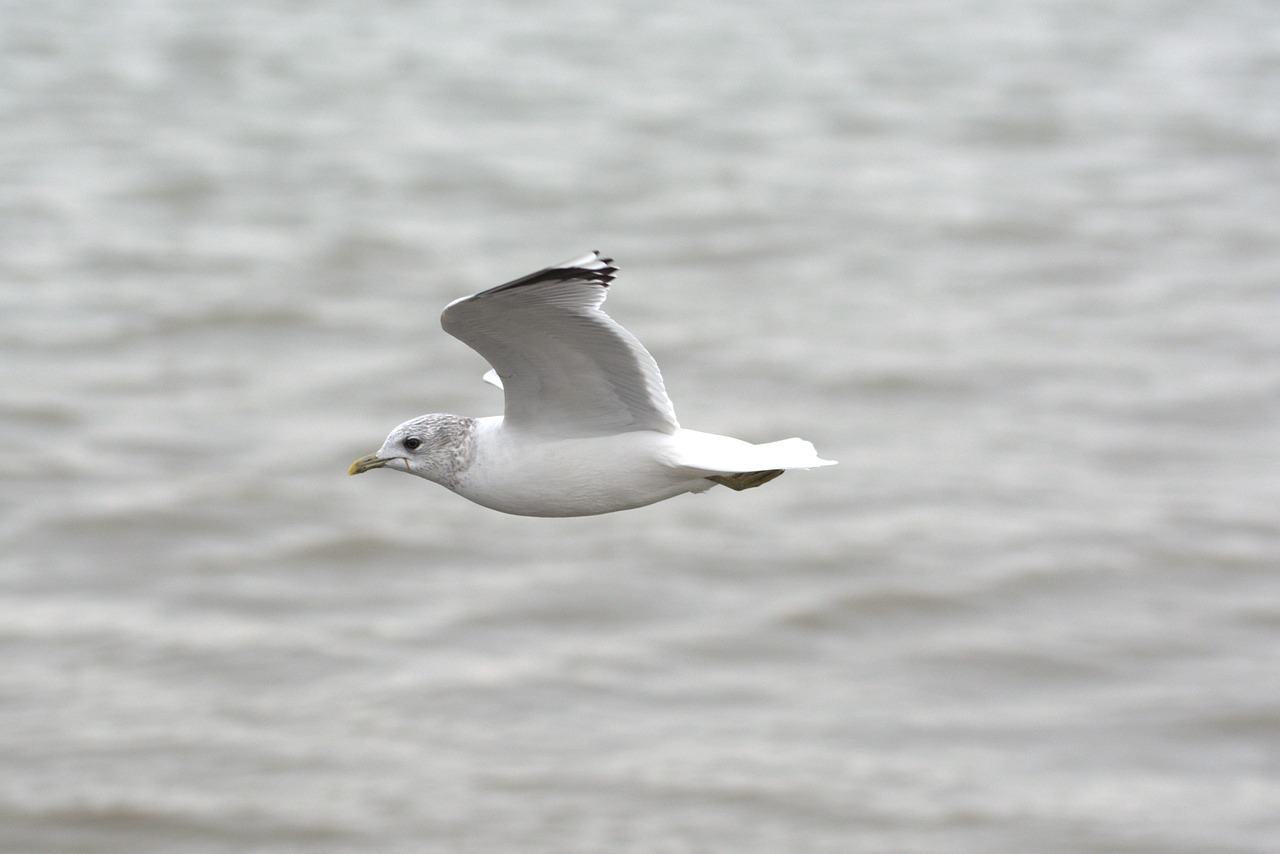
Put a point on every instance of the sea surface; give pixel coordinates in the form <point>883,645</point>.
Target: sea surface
<point>1014,263</point>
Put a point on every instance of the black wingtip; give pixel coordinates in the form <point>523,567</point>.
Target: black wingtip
<point>602,275</point>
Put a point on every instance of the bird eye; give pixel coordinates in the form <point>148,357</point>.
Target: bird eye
<point>412,443</point>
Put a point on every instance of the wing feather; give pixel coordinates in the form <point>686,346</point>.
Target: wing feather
<point>566,367</point>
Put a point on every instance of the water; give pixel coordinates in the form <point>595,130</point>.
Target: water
<point>1015,265</point>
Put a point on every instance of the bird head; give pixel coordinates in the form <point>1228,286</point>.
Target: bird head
<point>435,447</point>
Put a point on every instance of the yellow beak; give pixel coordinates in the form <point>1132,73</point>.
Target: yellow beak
<point>362,465</point>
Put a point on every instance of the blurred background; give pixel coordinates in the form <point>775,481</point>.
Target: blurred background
<point>1014,263</point>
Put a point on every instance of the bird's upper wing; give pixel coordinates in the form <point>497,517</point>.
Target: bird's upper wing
<point>566,367</point>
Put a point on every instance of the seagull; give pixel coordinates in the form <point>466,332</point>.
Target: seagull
<point>587,426</point>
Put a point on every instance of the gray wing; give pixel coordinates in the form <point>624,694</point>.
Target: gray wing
<point>566,367</point>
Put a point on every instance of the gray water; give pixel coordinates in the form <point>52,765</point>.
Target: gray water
<point>1015,264</point>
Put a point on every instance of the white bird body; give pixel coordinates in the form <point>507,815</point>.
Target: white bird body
<point>532,475</point>
<point>588,427</point>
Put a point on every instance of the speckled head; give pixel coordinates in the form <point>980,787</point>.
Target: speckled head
<point>436,447</point>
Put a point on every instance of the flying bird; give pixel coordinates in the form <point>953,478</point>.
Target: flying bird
<point>587,426</point>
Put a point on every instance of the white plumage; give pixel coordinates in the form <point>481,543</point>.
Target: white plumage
<point>587,426</point>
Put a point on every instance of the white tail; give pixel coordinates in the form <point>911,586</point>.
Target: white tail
<point>724,455</point>
<point>792,454</point>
